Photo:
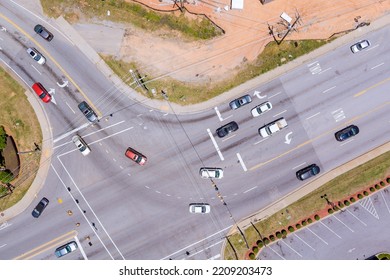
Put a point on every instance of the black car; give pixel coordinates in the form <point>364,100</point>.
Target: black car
<point>88,112</point>
<point>346,133</point>
<point>45,34</point>
<point>226,129</point>
<point>307,172</point>
<point>40,207</point>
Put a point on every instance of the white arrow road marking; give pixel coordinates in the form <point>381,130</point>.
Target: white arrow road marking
<point>63,85</point>
<point>257,93</point>
<point>53,100</point>
<point>52,91</point>
<point>288,139</point>
<point>3,29</point>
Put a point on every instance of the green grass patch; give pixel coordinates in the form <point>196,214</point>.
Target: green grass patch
<point>337,189</point>
<point>23,125</point>
<point>274,55</point>
<point>200,28</point>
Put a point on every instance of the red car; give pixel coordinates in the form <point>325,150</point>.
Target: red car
<point>136,156</point>
<point>41,92</point>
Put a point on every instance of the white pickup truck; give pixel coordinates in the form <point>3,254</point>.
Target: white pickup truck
<point>272,127</point>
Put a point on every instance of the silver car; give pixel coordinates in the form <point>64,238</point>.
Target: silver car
<point>36,55</point>
<point>66,249</point>
<point>81,145</point>
<point>199,208</point>
<point>241,101</point>
<point>361,45</point>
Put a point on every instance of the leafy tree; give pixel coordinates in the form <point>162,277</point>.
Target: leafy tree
<point>6,176</point>
<point>3,138</point>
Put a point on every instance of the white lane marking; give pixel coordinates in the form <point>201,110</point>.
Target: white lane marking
<point>387,206</point>
<point>275,94</point>
<point>324,70</point>
<point>182,249</point>
<point>312,116</point>
<point>351,250</point>
<point>42,19</point>
<point>90,208</point>
<point>260,141</point>
<point>372,68</point>
<point>3,246</point>
<point>343,223</point>
<point>310,64</point>
<point>373,47</point>
<point>317,236</point>
<point>215,257</point>
<point>97,141</point>
<point>4,225</point>
<point>291,248</point>
<point>296,235</point>
<point>228,138</point>
<point>280,113</point>
<point>295,167</point>
<point>77,205</point>
<point>218,113</point>
<point>81,248</point>
<point>215,144</point>
<point>242,162</point>
<point>36,69</point>
<point>114,159</point>
<point>15,73</point>
<point>70,108</point>
<point>346,142</point>
<point>329,89</point>
<point>166,114</point>
<point>120,166</point>
<point>250,189</point>
<point>330,229</point>
<point>71,132</point>
<point>363,223</point>
<point>212,245</point>
<point>276,252</point>
<point>369,206</point>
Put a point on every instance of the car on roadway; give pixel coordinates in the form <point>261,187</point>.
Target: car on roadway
<point>135,156</point>
<point>272,127</point>
<point>346,133</point>
<point>261,109</point>
<point>43,32</point>
<point>42,204</point>
<point>36,55</point>
<point>307,172</point>
<point>88,112</point>
<point>66,249</point>
<point>241,101</point>
<point>227,129</point>
<point>40,90</point>
<point>211,173</point>
<point>199,208</point>
<point>361,45</point>
<point>81,145</point>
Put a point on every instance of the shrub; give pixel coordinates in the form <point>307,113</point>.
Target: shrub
<point>372,189</point>
<point>352,199</point>
<point>284,232</point>
<point>347,203</point>
<point>266,241</point>
<point>259,243</point>
<point>304,223</point>
<point>272,237</point>
<point>309,220</point>
<point>377,186</point>
<point>278,235</point>
<point>255,249</point>
<point>298,226</point>
<point>252,256</point>
<point>317,217</point>
<point>383,184</point>
<point>388,180</point>
<point>330,211</point>
<point>341,205</point>
<point>360,196</point>
<point>365,193</point>
<point>291,229</point>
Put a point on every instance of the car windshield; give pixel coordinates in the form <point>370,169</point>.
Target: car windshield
<point>42,95</point>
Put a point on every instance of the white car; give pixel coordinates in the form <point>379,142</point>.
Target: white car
<point>81,145</point>
<point>36,55</point>
<point>261,109</point>
<point>211,172</point>
<point>273,127</point>
<point>199,208</point>
<point>361,45</point>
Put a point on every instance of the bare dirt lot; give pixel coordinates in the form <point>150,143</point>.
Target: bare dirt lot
<point>247,31</point>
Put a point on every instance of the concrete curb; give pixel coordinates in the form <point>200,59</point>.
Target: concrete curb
<point>45,161</point>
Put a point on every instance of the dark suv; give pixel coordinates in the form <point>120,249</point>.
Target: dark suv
<point>40,207</point>
<point>307,172</point>
<point>226,129</point>
<point>88,112</point>
<point>346,133</point>
<point>45,34</point>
